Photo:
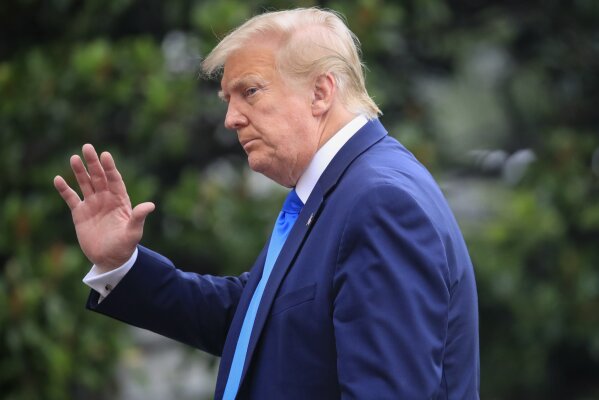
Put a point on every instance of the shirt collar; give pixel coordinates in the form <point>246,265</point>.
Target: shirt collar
<point>324,155</point>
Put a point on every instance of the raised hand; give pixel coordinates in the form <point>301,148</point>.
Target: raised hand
<point>108,229</point>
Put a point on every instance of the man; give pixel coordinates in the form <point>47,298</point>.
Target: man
<point>365,289</point>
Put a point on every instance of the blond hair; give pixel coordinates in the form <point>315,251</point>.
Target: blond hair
<point>312,42</point>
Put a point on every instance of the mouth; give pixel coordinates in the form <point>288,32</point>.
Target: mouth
<point>245,143</point>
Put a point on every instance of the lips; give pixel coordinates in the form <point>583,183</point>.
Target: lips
<point>243,142</point>
<point>246,142</point>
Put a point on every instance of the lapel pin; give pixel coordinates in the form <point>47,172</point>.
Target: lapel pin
<point>310,220</point>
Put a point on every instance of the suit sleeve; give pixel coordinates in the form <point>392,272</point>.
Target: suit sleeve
<point>391,301</point>
<point>190,308</point>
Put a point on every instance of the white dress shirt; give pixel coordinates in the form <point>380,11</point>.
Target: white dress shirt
<point>103,283</point>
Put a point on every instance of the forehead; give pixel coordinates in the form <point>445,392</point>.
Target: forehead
<point>252,60</point>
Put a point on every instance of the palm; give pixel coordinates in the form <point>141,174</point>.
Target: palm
<point>107,228</point>
<point>101,224</point>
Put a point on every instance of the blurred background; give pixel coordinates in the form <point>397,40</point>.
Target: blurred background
<point>498,99</point>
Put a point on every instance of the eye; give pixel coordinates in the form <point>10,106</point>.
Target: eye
<point>250,91</point>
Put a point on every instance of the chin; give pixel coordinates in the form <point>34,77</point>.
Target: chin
<point>260,167</point>
<point>266,168</point>
<point>255,165</point>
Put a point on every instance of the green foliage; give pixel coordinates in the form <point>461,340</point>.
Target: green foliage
<point>450,77</point>
<point>123,96</point>
<point>538,278</point>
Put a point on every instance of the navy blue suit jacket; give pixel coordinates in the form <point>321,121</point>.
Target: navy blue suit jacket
<point>372,296</point>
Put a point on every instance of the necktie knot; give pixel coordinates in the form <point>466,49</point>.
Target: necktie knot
<point>293,204</point>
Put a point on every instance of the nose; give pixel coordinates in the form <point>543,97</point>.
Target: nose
<point>234,119</point>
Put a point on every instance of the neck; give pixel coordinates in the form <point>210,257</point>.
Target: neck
<point>328,125</point>
<point>332,122</point>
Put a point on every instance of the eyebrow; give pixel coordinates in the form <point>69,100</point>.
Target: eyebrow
<point>242,81</point>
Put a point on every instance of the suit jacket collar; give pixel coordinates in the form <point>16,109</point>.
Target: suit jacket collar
<point>367,136</point>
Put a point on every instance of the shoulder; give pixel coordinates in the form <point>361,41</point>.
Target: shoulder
<point>387,175</point>
<point>387,191</point>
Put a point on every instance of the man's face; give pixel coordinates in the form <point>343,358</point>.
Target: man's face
<point>272,116</point>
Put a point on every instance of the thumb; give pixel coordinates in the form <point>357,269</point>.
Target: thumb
<point>139,214</point>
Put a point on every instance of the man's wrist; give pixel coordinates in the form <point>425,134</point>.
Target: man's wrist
<point>104,282</point>
<point>111,264</point>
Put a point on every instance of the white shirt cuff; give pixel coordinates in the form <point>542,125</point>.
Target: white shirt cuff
<point>104,282</point>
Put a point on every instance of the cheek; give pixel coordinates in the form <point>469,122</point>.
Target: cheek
<point>287,129</point>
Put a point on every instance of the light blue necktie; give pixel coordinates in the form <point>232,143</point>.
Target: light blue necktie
<point>287,217</point>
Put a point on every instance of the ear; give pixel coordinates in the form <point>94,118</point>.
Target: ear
<point>324,93</point>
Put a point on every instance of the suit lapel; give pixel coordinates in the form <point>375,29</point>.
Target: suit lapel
<point>367,136</point>
<point>282,264</point>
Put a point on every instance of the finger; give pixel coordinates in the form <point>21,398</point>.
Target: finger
<point>85,183</point>
<point>96,172</point>
<point>139,214</point>
<point>68,195</point>
<point>113,177</point>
